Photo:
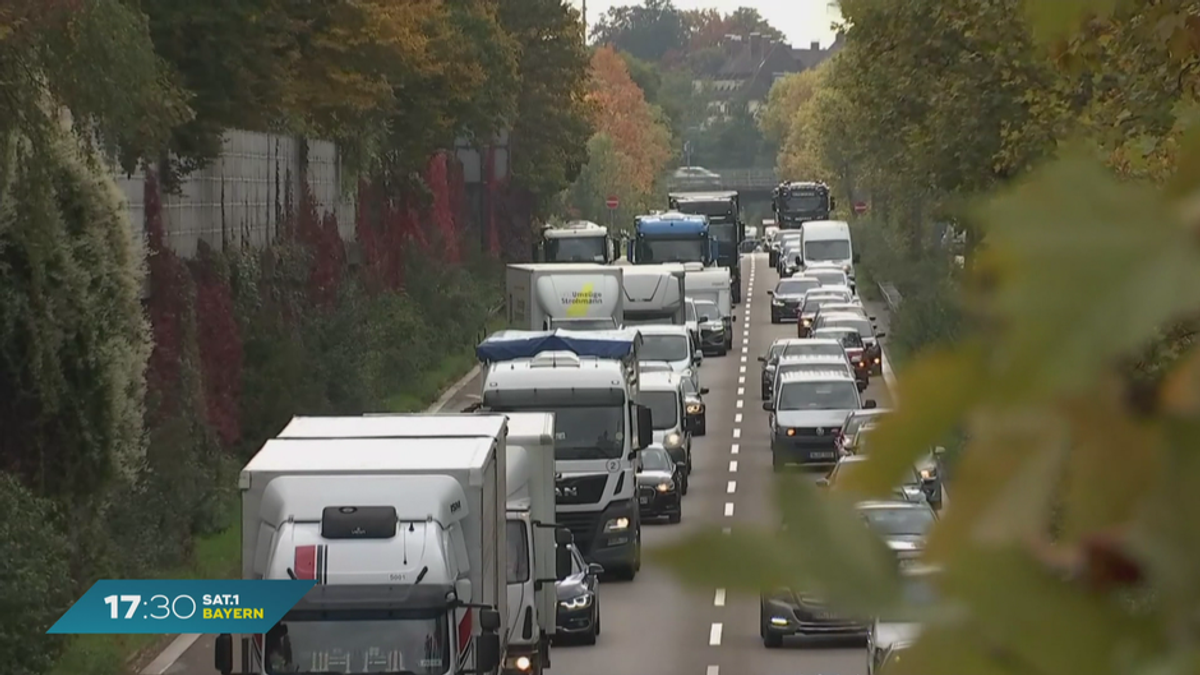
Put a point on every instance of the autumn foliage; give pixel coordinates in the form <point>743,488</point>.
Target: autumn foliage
<point>623,114</point>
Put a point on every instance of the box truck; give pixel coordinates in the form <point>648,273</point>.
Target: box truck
<point>574,296</point>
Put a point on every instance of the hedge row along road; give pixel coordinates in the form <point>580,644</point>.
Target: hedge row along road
<point>654,624</point>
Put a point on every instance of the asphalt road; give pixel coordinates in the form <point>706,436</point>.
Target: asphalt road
<point>653,624</point>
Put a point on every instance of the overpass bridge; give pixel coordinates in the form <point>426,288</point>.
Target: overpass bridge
<point>752,183</point>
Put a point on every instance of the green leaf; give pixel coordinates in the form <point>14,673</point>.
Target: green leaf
<point>1054,19</point>
<point>1088,268</point>
<point>948,650</point>
<point>743,560</point>
<point>1042,622</point>
<point>942,386</point>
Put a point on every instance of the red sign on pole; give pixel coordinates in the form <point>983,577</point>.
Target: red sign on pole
<point>860,207</point>
<point>612,202</point>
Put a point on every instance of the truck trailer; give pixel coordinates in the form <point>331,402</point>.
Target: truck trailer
<point>590,381</point>
<point>404,533</point>
<point>574,296</point>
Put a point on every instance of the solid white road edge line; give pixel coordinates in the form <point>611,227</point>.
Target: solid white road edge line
<point>174,651</point>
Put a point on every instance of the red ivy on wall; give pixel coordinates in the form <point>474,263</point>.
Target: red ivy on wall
<point>319,233</point>
<point>220,345</point>
<point>437,177</point>
<point>166,307</point>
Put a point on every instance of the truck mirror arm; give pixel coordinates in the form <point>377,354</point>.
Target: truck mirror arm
<point>538,584</point>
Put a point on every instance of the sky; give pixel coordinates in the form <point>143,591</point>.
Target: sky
<point>802,21</point>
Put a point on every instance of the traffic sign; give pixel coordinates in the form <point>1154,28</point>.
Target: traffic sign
<point>612,202</point>
<point>860,207</point>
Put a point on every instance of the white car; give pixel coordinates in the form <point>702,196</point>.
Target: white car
<point>673,345</point>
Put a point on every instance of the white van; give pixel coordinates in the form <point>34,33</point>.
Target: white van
<point>827,242</point>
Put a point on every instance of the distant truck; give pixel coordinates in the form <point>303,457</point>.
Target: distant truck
<point>401,522</point>
<point>575,242</point>
<point>724,213</point>
<point>654,294</point>
<point>577,296</point>
<point>797,202</point>
<point>590,381</point>
<point>712,284</point>
<point>671,237</point>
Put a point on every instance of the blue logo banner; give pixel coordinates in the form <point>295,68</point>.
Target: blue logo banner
<point>116,606</point>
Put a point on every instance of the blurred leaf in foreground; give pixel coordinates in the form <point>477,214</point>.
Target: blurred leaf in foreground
<point>1053,19</point>
<point>1091,268</point>
<point>825,548</point>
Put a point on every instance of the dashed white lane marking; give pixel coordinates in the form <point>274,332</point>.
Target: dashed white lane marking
<point>719,598</point>
<point>744,357</point>
<point>737,433</point>
<point>726,530</point>
<point>740,403</point>
<point>742,379</point>
<point>714,635</point>
<point>741,369</point>
<point>741,391</point>
<point>737,419</point>
<point>733,466</point>
<point>734,450</point>
<point>728,509</point>
<point>713,670</point>
<point>731,487</point>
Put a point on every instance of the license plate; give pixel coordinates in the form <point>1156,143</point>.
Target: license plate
<point>821,455</point>
<point>824,616</point>
<point>644,500</point>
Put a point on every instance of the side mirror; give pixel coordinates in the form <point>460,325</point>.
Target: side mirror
<point>862,386</point>
<point>563,536</point>
<point>698,357</point>
<point>832,203</point>
<point>822,482</point>
<point>487,652</point>
<point>595,569</point>
<point>857,258</point>
<point>223,654</point>
<point>733,318</point>
<point>705,319</point>
<point>768,406</point>
<point>704,390</point>
<point>880,336</point>
<point>770,292</point>
<point>562,563</point>
<point>645,427</point>
<point>489,620</point>
<point>762,359</point>
<point>939,451</point>
<point>870,404</point>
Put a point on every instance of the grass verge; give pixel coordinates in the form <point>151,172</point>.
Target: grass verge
<point>219,556</point>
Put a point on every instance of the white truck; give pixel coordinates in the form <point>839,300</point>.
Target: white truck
<point>576,241</point>
<point>712,284</point>
<point>590,381</point>
<point>654,294</point>
<point>400,523</point>
<point>574,296</point>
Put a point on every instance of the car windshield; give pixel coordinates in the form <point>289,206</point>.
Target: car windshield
<point>808,347</point>
<point>518,552</point>
<point>692,249</point>
<point>856,422</point>
<point>850,339</point>
<point>861,326</point>
<point>664,408</point>
<point>811,305</point>
<point>846,307</point>
<point>827,249</point>
<point>691,311</point>
<point>576,249</point>
<point>899,521</point>
<point>361,642</point>
<point>805,201</point>
<point>795,286</point>
<point>828,294</point>
<point>656,459</point>
<point>818,396</point>
<point>707,308</point>
<point>722,230</point>
<point>587,432</point>
<point>664,348</point>
<point>785,368</point>
<point>829,277</point>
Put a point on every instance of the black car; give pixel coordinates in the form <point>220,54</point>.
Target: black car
<point>579,601</point>
<point>787,296</point>
<point>903,525</point>
<point>697,412</point>
<point>659,485</point>
<point>786,613</point>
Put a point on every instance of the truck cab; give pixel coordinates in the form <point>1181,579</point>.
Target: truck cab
<point>671,237</point>
<point>404,536</point>
<point>798,202</point>
<point>590,381</point>
<point>724,213</point>
<point>575,242</point>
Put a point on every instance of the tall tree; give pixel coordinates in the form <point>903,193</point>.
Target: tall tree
<point>635,126</point>
<point>649,31</point>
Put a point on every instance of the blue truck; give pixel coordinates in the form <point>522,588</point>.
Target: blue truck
<point>671,237</point>
<point>724,213</point>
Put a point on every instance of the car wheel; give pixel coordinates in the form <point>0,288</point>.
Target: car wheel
<point>723,351</point>
<point>597,615</point>
<point>674,518</point>
<point>777,464</point>
<point>590,638</point>
<point>702,428</point>
<point>772,640</point>
<point>683,487</point>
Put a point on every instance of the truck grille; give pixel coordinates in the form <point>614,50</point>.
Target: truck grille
<point>829,432</point>
<point>582,526</point>
<point>580,489</point>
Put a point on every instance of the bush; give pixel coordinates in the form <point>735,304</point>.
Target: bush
<point>35,578</point>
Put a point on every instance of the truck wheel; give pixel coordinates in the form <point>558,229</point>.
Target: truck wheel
<point>723,351</point>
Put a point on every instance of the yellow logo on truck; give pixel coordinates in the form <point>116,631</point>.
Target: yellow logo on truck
<point>579,301</point>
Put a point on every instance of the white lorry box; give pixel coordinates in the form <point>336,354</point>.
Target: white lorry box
<point>654,294</point>
<point>573,296</point>
<point>383,521</point>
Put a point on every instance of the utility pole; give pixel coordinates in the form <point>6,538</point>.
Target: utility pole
<point>583,12</point>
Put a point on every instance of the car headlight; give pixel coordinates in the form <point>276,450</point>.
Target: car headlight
<point>928,474</point>
<point>578,602</point>
<point>694,409</point>
<point>673,441</point>
<point>808,323</point>
<point>666,487</point>
<point>846,268</point>
<point>617,525</point>
<point>776,302</point>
